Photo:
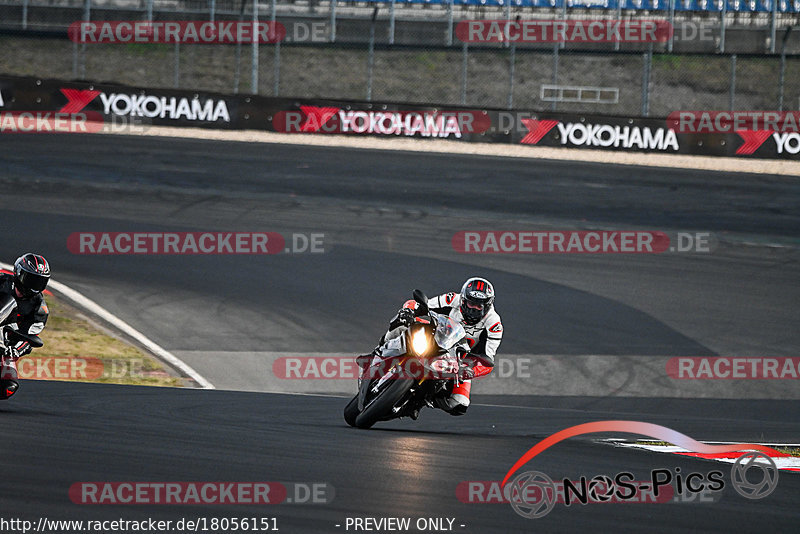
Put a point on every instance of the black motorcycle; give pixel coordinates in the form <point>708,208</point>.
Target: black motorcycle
<point>410,370</point>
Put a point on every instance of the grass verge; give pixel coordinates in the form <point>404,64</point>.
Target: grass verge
<point>77,349</point>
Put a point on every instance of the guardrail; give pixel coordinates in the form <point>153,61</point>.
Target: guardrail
<point>32,102</point>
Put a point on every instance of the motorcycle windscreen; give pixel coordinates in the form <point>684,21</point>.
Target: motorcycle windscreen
<point>448,331</point>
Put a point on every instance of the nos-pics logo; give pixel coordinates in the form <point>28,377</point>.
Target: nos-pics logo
<point>533,494</point>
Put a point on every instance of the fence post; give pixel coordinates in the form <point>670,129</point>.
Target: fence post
<point>254,57</point>
<point>449,39</point>
<point>648,59</point>
<point>149,10</point>
<point>511,65</point>
<point>333,20</point>
<point>563,17</point>
<point>782,80</point>
<point>238,67</point>
<point>508,18</point>
<point>212,10</point>
<point>391,23</point>
<point>276,61</point>
<point>464,54</point>
<point>371,54</point>
<point>772,22</point>
<point>732,91</point>
<point>723,26</point>
<point>671,41</point>
<point>276,70</point>
<point>619,17</point>
<point>87,13</point>
<point>555,73</point>
<point>176,82</point>
<point>24,14</point>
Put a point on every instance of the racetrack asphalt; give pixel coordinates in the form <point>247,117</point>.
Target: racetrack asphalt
<point>388,220</point>
<point>69,433</point>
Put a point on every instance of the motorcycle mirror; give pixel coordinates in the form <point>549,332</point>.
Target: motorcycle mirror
<point>420,297</point>
<point>14,336</point>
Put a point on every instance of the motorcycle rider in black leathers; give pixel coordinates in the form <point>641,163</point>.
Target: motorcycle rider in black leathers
<point>22,306</point>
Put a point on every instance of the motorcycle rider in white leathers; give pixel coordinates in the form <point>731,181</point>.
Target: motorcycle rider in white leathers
<point>473,307</point>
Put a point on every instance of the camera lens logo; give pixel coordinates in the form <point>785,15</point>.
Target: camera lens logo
<point>601,488</point>
<point>543,490</point>
<point>761,484</point>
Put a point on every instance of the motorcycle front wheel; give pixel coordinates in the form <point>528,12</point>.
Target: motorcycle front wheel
<point>351,411</point>
<point>382,406</point>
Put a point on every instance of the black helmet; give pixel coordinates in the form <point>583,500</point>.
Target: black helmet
<point>477,297</point>
<point>31,274</point>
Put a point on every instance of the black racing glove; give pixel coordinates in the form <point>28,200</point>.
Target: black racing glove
<point>466,369</point>
<point>466,372</point>
<point>469,361</point>
<point>405,316</point>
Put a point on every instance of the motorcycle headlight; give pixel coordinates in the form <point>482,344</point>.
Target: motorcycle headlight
<point>419,342</point>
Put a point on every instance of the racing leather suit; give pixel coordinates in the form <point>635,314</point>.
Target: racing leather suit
<point>26,315</point>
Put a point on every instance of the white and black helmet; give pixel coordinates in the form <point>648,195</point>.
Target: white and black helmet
<point>477,296</point>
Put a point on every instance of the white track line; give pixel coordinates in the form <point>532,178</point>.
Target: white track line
<point>94,308</point>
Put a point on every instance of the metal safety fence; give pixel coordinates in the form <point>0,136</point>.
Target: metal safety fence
<point>414,54</point>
